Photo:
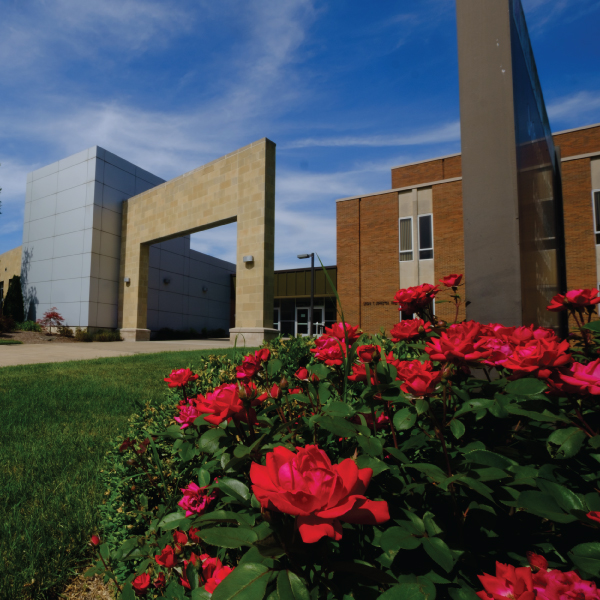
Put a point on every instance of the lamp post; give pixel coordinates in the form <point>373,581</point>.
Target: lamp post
<point>312,290</point>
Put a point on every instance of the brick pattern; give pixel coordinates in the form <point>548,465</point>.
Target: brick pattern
<point>432,170</point>
<point>577,142</point>
<point>452,167</point>
<point>10,265</point>
<point>379,274</point>
<point>449,243</point>
<point>348,258</point>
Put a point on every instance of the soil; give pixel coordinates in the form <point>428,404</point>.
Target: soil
<point>35,337</point>
<point>88,588</point>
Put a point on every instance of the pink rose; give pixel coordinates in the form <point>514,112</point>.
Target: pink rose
<point>196,499</point>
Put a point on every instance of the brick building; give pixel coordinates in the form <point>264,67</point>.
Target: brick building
<point>413,233</point>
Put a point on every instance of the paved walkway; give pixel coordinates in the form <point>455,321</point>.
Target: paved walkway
<point>29,354</point>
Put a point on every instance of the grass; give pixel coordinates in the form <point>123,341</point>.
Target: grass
<point>9,342</point>
<point>56,422</point>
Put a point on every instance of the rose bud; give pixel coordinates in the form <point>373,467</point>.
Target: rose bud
<point>95,540</point>
<point>242,392</point>
<point>537,561</point>
<point>283,384</point>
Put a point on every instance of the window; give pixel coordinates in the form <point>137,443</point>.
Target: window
<point>406,244</point>
<point>596,203</point>
<point>425,237</point>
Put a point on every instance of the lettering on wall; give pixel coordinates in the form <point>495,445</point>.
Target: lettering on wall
<point>382,303</point>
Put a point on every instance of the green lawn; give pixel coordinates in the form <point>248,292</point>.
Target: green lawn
<point>55,422</point>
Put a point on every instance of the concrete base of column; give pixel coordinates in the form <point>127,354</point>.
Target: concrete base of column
<point>131,334</point>
<point>251,336</point>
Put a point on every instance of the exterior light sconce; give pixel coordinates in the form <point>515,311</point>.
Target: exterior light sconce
<point>249,259</point>
<point>166,281</point>
<point>127,281</point>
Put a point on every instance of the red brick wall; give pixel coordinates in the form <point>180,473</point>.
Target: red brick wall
<point>348,258</point>
<point>448,233</point>
<point>432,170</point>
<point>453,167</point>
<point>379,261</point>
<point>579,142</point>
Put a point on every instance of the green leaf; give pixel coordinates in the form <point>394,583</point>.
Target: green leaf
<point>405,418</point>
<point>246,582</point>
<point>204,477</point>
<point>274,366</point>
<point>489,459</point>
<point>209,442</point>
<point>201,594</point>
<point>127,593</point>
<point>564,497</point>
<point>463,593</point>
<point>474,406</point>
<point>595,441</point>
<point>240,451</point>
<point>318,369</point>
<point>398,538</point>
<point>430,526</point>
<point>174,517</point>
<point>526,387</point>
<point>228,537</point>
<point>410,591</point>
<point>422,406</point>
<point>593,326</point>
<point>438,550</point>
<point>338,409</point>
<point>457,428</point>
<point>565,443</point>
<point>587,557</point>
<point>291,587</point>
<point>377,465</point>
<point>363,569</point>
<point>543,505</point>
<point>188,451</point>
<point>337,426</point>
<point>431,471</point>
<point>416,524</point>
<point>234,488</point>
<point>370,445</point>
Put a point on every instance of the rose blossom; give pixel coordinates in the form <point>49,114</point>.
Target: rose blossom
<point>583,378</point>
<point>166,558</point>
<point>594,515</point>
<point>180,378</point>
<point>460,344</point>
<point>451,280</point>
<point>537,561</point>
<point>337,331</point>
<point>510,583</point>
<point>213,572</point>
<point>359,373</point>
<point>180,538</point>
<point>329,350</point>
<point>193,534</point>
<point>305,484</point>
<point>160,582</point>
<point>419,378</point>
<point>574,300</point>
<point>95,540</point>
<point>141,584</point>
<point>368,353</point>
<point>408,329</point>
<point>188,413</point>
<point>221,404</point>
<point>415,298</point>
<point>195,499</point>
<point>538,358</point>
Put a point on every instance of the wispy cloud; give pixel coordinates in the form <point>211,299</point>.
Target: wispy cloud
<point>573,109</point>
<point>545,12</point>
<point>449,132</point>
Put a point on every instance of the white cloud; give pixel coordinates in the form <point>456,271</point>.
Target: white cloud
<point>450,132</point>
<point>575,107</point>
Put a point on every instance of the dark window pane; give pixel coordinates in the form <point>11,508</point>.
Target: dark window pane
<point>302,328</point>
<point>597,209</point>
<point>288,308</point>
<point>425,254</point>
<point>425,233</point>
<point>287,327</point>
<point>405,256</point>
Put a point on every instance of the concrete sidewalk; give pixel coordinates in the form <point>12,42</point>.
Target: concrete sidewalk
<point>29,354</point>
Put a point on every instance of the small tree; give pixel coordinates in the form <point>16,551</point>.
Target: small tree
<point>13,303</point>
<point>51,318</point>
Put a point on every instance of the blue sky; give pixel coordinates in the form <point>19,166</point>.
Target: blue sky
<point>347,89</point>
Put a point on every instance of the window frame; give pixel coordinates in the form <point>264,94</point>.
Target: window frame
<point>412,242</point>
<point>419,250</point>
<point>595,216</point>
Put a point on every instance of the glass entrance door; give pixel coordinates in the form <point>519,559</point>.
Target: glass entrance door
<point>302,314</point>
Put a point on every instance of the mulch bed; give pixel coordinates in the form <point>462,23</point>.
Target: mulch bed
<point>88,588</point>
<point>35,337</point>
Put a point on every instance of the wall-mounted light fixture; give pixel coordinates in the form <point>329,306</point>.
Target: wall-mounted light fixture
<point>166,281</point>
<point>249,259</point>
<point>127,280</point>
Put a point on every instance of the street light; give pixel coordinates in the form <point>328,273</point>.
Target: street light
<point>312,290</point>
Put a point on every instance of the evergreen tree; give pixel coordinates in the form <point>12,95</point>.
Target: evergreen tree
<point>13,303</point>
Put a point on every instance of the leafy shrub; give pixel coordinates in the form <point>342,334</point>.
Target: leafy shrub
<point>28,326</point>
<point>82,335</point>
<point>365,467</point>
<point>13,306</point>
<point>107,336</point>
<point>6,324</point>
<point>65,332</point>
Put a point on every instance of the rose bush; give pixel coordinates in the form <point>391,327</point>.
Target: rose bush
<point>357,466</point>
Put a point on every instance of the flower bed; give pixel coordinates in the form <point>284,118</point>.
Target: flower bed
<point>357,466</point>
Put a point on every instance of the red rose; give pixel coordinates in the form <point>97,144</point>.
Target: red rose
<point>509,582</point>
<point>302,374</point>
<point>95,540</point>
<point>413,299</point>
<point>196,499</point>
<point>538,358</point>
<point>368,353</point>
<point>127,443</point>
<point>408,329</point>
<point>584,379</point>
<point>574,300</point>
<point>180,378</point>
<point>263,354</point>
<point>305,484</point>
<point>329,350</point>
<point>166,558</point>
<point>180,538</point>
<point>193,534</point>
<point>555,585</point>
<point>188,413</point>
<point>218,576</point>
<point>141,584</point>
<point>419,378</point>
<point>594,515</point>
<point>221,404</point>
<point>160,582</point>
<point>451,280</point>
<point>249,368</point>
<point>359,373</point>
<point>460,344</point>
<point>537,561</point>
<point>337,331</point>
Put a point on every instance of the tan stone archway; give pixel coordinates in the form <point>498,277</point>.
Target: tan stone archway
<point>237,187</point>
